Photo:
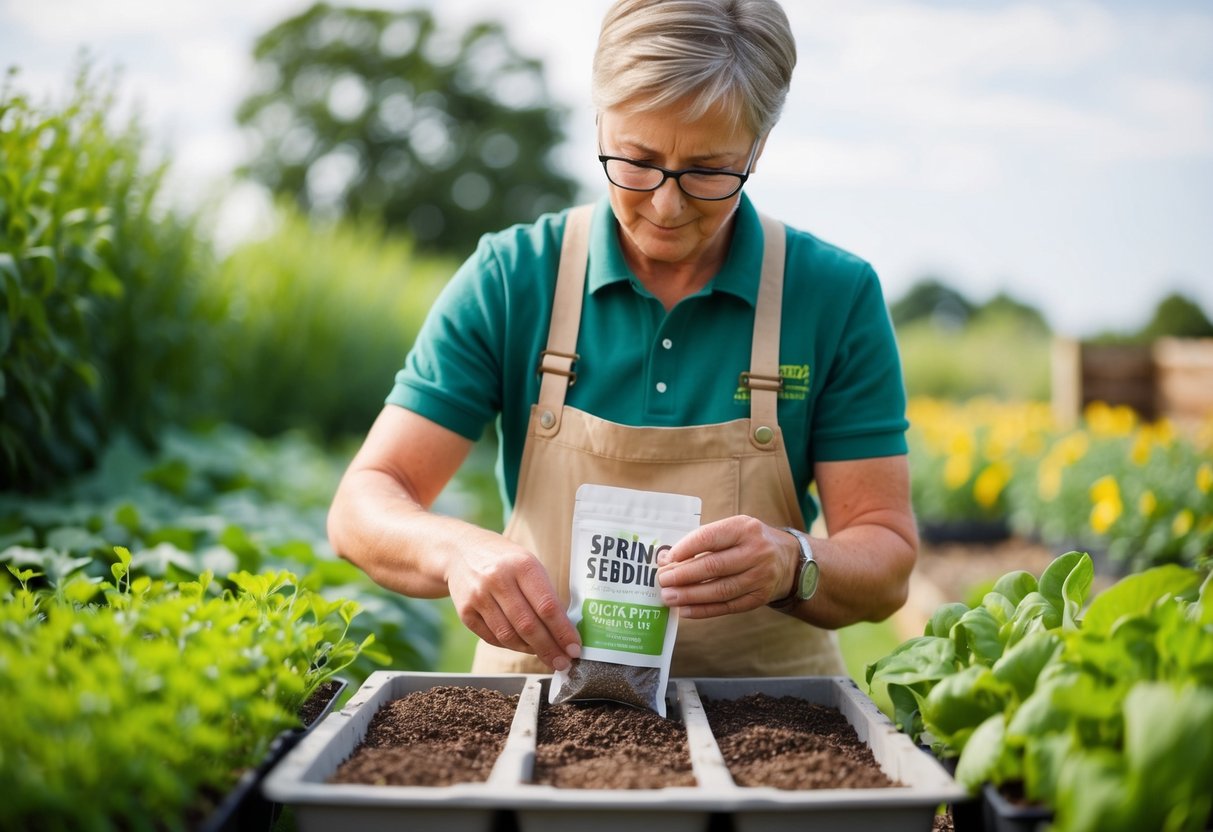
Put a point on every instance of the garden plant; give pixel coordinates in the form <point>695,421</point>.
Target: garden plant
<point>1100,712</point>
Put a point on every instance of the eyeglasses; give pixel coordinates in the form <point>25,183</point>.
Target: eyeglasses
<point>698,183</point>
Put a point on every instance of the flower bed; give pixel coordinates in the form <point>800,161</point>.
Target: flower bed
<point>1134,494</point>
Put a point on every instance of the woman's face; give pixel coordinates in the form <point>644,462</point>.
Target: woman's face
<point>666,225</point>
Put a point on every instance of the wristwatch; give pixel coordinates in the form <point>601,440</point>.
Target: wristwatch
<point>807,574</point>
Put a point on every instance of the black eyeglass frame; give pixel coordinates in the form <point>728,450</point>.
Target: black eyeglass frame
<point>677,175</point>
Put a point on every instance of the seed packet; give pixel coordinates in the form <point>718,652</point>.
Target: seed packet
<point>627,633</point>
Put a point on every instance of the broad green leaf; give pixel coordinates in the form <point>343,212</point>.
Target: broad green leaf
<point>1015,585</point>
<point>1043,758</point>
<point>1021,664</point>
<point>907,707</point>
<point>1092,797</point>
<point>1035,612</point>
<point>1136,594</point>
<point>1038,715</point>
<point>999,606</point>
<point>1169,741</point>
<point>976,633</point>
<point>961,702</point>
<point>920,659</point>
<point>984,758</point>
<point>1053,579</point>
<point>944,618</point>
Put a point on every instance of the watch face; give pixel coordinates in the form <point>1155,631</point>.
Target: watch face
<point>808,581</point>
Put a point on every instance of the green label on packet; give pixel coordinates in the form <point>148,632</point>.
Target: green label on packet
<point>631,628</point>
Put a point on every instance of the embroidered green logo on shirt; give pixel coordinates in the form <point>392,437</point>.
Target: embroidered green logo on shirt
<point>795,384</point>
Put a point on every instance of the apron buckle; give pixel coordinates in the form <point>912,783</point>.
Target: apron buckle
<point>757,381</point>
<point>568,372</point>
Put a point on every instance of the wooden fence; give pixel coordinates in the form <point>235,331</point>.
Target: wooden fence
<point>1171,378</point>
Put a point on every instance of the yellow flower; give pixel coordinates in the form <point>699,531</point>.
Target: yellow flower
<point>990,483</point>
<point>1105,488</point>
<point>1204,477</point>
<point>1048,480</point>
<point>1182,524</point>
<point>956,470</point>
<point>1142,446</point>
<point>1105,420</point>
<point>1147,503</point>
<point>1072,447</point>
<point>1104,514</point>
<point>1105,493</point>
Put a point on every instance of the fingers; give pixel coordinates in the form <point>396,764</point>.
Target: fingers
<point>508,601</point>
<point>730,566</point>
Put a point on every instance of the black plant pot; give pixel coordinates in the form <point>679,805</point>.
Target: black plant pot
<point>1001,815</point>
<point>244,808</point>
<point>967,814</point>
<point>965,531</point>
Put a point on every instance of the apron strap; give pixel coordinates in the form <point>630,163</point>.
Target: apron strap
<point>556,363</point>
<point>763,379</point>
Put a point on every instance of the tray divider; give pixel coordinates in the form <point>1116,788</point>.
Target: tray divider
<point>711,772</point>
<point>516,762</point>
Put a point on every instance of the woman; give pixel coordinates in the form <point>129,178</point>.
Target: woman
<point>688,346</point>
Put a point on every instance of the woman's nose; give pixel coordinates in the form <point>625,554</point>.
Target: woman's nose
<point>668,199</point>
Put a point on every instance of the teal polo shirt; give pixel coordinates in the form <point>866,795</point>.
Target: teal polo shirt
<point>474,361</point>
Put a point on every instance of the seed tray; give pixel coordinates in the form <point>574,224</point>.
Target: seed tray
<point>300,779</point>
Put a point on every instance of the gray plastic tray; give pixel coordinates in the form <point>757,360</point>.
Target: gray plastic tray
<point>300,779</point>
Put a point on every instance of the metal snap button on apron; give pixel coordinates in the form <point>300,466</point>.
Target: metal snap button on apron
<point>547,418</point>
<point>763,435</point>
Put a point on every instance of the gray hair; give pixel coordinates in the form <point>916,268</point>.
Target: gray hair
<point>655,53</point>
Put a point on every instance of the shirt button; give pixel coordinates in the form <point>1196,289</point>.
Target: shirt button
<point>661,387</point>
<point>667,343</point>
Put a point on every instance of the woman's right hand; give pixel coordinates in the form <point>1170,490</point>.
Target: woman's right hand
<point>504,595</point>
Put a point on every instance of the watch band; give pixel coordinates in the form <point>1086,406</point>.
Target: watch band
<point>806,555</point>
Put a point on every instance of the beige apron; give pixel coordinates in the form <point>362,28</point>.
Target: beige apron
<point>737,467</point>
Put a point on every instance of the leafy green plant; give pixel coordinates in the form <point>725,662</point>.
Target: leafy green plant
<point>136,703</point>
<point>1104,715</point>
<point>102,319</point>
<point>319,317</point>
<point>221,500</point>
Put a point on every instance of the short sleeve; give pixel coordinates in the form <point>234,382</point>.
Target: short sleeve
<point>861,409</point>
<point>452,374</point>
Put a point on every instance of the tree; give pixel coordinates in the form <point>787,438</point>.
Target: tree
<point>1179,317</point>
<point>1005,307</point>
<point>932,299</point>
<point>376,112</point>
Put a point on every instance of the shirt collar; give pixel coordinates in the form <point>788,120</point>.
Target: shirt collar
<point>739,276</point>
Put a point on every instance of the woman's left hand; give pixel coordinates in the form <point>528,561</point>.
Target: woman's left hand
<point>729,566</point>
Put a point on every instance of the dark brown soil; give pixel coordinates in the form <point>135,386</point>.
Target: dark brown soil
<point>789,743</point>
<point>437,737</point>
<point>607,745</point>
<point>318,702</point>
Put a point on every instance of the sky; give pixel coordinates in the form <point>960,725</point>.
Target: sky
<point>1057,150</point>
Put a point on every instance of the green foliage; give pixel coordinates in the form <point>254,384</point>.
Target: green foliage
<point>1106,717</point>
<point>319,318</point>
<point>136,703</point>
<point>378,113</point>
<point>223,502</point>
<point>103,322</point>
<point>994,354</point>
<point>933,301</point>
<point>1179,317</point>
